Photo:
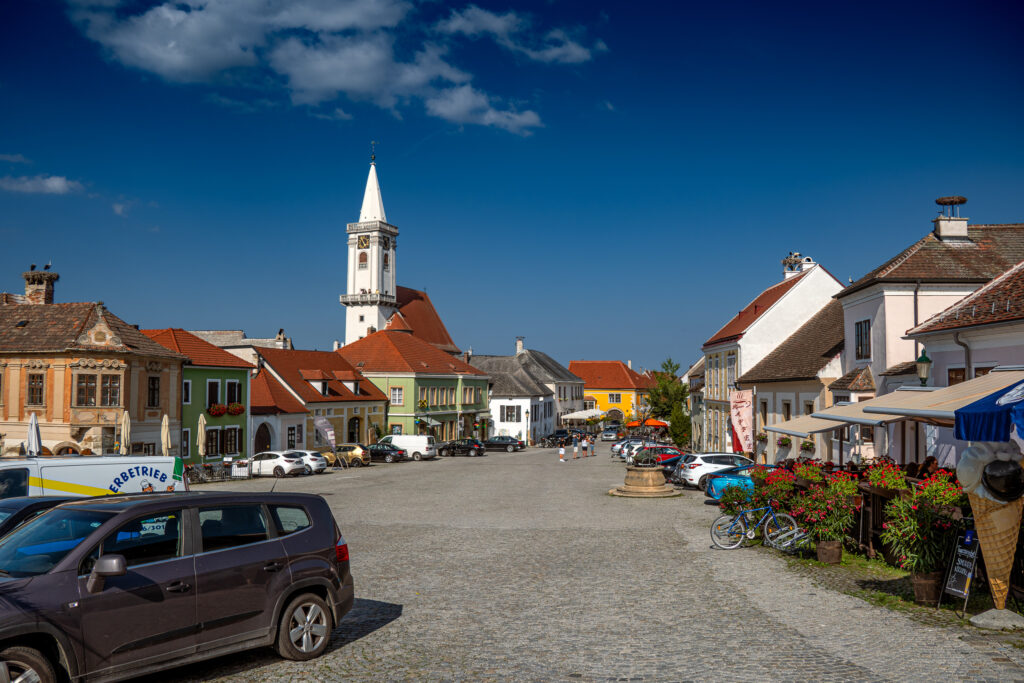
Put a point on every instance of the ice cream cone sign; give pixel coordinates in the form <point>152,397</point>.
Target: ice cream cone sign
<point>991,475</point>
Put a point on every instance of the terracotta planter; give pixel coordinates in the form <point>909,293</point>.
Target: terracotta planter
<point>829,552</point>
<point>927,587</point>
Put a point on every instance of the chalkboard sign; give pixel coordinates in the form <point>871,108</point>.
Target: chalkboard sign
<point>961,566</point>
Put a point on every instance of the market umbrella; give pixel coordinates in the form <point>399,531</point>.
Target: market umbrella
<point>126,432</point>
<point>993,417</point>
<point>634,423</point>
<point>651,422</point>
<point>201,436</point>
<point>165,435</point>
<point>35,441</point>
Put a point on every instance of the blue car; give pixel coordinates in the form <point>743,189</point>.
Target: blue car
<point>736,476</point>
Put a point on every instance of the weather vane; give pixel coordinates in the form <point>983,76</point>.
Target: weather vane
<point>373,151</point>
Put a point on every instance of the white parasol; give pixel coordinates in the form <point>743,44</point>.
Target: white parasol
<point>201,436</point>
<point>165,435</point>
<point>126,432</point>
<point>35,441</point>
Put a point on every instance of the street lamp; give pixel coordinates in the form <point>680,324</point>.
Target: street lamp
<point>528,427</point>
<point>924,367</point>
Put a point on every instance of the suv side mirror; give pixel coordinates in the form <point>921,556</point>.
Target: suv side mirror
<point>107,565</point>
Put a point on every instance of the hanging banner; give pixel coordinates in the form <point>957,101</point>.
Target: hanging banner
<point>742,414</point>
<point>325,429</point>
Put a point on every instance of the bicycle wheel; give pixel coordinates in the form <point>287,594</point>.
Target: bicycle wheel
<point>727,531</point>
<point>779,530</point>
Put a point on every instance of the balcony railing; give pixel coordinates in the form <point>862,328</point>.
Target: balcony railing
<point>367,299</point>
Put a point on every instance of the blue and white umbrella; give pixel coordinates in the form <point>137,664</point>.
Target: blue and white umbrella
<point>34,444</point>
<point>991,418</point>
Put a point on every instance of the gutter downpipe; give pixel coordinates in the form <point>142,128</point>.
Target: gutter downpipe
<point>968,366</point>
<point>917,288</point>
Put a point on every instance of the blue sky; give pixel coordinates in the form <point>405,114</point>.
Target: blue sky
<point>610,180</point>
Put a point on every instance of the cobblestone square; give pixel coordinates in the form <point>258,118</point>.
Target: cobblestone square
<point>518,567</point>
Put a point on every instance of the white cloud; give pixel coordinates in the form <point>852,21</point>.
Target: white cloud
<point>40,184</point>
<point>465,104</point>
<point>14,158</point>
<point>338,114</point>
<point>119,208</point>
<point>322,51</point>
<point>508,29</point>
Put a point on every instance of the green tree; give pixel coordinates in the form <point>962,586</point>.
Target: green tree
<point>679,427</point>
<point>668,392</point>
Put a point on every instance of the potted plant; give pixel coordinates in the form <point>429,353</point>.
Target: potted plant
<point>919,529</point>
<point>783,442</point>
<point>887,477</point>
<point>777,490</point>
<point>807,445</point>
<point>758,474</point>
<point>235,409</point>
<point>217,410</point>
<point>734,499</point>
<point>827,512</point>
<point>762,437</point>
<point>808,474</point>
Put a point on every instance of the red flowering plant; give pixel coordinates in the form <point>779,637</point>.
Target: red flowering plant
<point>235,409</point>
<point>920,528</point>
<point>843,482</point>
<point>758,473</point>
<point>217,410</point>
<point>809,470</point>
<point>777,491</point>
<point>825,511</point>
<point>887,476</point>
<point>734,499</point>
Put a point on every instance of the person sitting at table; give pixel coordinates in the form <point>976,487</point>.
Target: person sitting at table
<point>911,469</point>
<point>929,467</point>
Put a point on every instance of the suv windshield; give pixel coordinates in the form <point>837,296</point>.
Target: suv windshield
<point>38,545</point>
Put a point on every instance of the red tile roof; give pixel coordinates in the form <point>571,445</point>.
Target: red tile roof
<point>290,364</point>
<point>609,374</point>
<point>735,328</point>
<point>858,379</point>
<point>393,351</point>
<point>999,301</point>
<point>267,396</point>
<point>421,317</point>
<point>199,351</point>
<point>988,251</point>
<point>60,328</point>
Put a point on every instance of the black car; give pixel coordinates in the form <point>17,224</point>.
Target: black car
<point>386,452</point>
<point>471,447</point>
<point>504,443</point>
<point>14,511</point>
<point>115,587</point>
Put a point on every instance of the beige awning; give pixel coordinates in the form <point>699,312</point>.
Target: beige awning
<point>859,413</point>
<point>805,425</point>
<point>939,406</point>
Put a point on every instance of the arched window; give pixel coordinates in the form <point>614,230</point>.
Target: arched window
<point>363,258</point>
<point>387,262</point>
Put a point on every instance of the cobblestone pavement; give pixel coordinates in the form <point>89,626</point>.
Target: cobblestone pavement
<point>518,567</point>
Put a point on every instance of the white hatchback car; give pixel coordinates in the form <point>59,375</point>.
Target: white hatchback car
<point>277,464</point>
<point>316,463</point>
<point>695,468</point>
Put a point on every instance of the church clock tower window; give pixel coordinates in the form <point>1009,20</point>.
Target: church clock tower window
<point>363,258</point>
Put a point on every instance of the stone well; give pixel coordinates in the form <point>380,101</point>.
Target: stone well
<point>645,482</point>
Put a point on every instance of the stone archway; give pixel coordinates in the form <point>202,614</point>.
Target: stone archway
<point>614,414</point>
<point>263,438</point>
<point>66,448</point>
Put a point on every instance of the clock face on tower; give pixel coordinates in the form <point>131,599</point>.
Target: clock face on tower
<point>364,242</point>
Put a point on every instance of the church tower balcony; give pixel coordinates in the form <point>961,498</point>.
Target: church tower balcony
<point>366,299</point>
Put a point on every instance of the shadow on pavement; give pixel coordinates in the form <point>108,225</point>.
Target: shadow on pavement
<point>365,617</point>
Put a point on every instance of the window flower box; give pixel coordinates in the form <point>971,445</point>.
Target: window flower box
<point>235,409</point>
<point>784,442</point>
<point>217,410</point>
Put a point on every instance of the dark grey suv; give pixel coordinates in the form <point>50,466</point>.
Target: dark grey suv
<point>119,586</point>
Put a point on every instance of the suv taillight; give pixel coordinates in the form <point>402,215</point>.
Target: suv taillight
<point>694,465</point>
<point>341,551</point>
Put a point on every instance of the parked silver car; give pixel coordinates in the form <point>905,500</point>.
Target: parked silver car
<point>277,464</point>
<point>609,435</point>
<point>314,462</point>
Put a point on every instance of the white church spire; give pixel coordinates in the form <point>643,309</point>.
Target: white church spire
<point>373,205</point>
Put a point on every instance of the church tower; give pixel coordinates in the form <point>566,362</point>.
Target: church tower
<point>370,300</point>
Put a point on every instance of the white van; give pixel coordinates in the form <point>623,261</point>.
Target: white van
<point>418,446</point>
<point>102,475</point>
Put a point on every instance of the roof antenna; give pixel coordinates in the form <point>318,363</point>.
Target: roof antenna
<point>373,151</point>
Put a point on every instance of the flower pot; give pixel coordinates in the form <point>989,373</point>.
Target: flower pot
<point>829,552</point>
<point>927,587</point>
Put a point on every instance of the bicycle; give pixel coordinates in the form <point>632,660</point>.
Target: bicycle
<point>779,530</point>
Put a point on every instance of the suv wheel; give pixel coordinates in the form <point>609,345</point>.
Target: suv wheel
<point>278,471</point>
<point>509,448</point>
<point>25,664</point>
<point>416,456</point>
<point>305,629</point>
<point>703,483</point>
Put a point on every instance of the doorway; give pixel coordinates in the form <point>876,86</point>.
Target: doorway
<point>262,440</point>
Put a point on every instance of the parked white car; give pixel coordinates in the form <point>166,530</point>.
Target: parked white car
<point>418,446</point>
<point>316,463</point>
<point>695,468</point>
<point>628,452</point>
<point>277,464</point>
<point>618,446</point>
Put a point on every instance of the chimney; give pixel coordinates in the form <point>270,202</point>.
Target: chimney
<point>336,345</point>
<point>949,225</point>
<point>519,345</point>
<point>39,285</point>
<point>467,356</point>
<point>629,364</point>
<point>796,263</point>
<point>370,330</point>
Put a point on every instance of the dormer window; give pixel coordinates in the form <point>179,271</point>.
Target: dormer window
<point>323,388</point>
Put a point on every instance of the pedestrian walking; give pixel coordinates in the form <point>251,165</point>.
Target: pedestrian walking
<point>575,447</point>
<point>561,454</point>
<point>586,446</point>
